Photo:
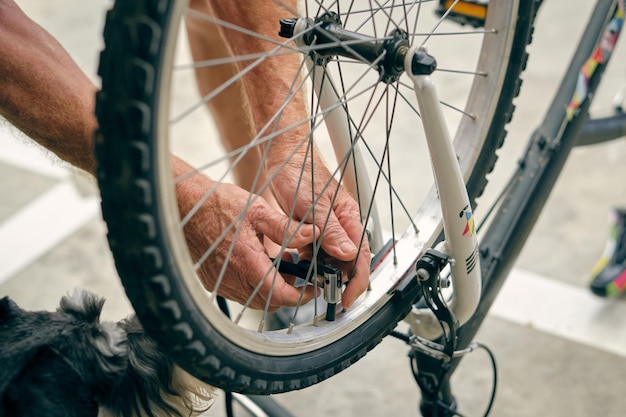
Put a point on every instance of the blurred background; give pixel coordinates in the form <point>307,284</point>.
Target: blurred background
<point>560,350</point>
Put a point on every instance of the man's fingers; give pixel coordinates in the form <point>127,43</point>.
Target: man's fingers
<point>359,283</point>
<point>340,240</point>
<point>336,242</point>
<point>277,287</point>
<point>286,295</point>
<point>283,230</point>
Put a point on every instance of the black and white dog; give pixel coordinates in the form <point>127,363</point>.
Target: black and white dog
<point>69,364</point>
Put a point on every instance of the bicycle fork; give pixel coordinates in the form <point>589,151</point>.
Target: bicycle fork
<point>460,244</point>
<point>459,250</point>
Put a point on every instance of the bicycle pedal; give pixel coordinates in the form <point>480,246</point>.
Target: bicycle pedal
<point>464,12</point>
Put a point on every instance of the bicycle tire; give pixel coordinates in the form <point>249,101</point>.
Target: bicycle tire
<point>134,67</point>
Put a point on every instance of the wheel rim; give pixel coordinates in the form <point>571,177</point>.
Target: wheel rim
<point>307,337</point>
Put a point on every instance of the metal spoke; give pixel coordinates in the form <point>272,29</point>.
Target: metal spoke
<point>439,22</point>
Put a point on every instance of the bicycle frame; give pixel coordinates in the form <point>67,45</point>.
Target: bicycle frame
<point>537,173</point>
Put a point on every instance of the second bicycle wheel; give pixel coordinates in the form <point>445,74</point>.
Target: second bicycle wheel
<point>212,124</point>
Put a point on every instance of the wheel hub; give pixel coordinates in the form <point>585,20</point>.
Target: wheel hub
<point>327,39</point>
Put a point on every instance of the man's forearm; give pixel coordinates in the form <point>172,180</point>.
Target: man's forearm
<point>269,83</point>
<point>44,93</point>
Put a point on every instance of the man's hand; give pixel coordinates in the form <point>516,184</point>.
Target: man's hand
<point>247,261</point>
<point>336,216</point>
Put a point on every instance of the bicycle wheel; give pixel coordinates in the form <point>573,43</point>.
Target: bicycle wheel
<point>153,108</point>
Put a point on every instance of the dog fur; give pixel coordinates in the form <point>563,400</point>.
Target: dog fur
<point>69,364</point>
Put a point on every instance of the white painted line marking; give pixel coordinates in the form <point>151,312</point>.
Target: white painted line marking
<point>41,225</point>
<point>563,310</point>
<point>23,153</point>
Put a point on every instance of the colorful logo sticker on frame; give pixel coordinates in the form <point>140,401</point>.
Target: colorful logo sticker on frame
<point>598,57</point>
<point>467,214</point>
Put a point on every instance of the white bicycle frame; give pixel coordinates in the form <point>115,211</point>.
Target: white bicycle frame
<point>460,243</point>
